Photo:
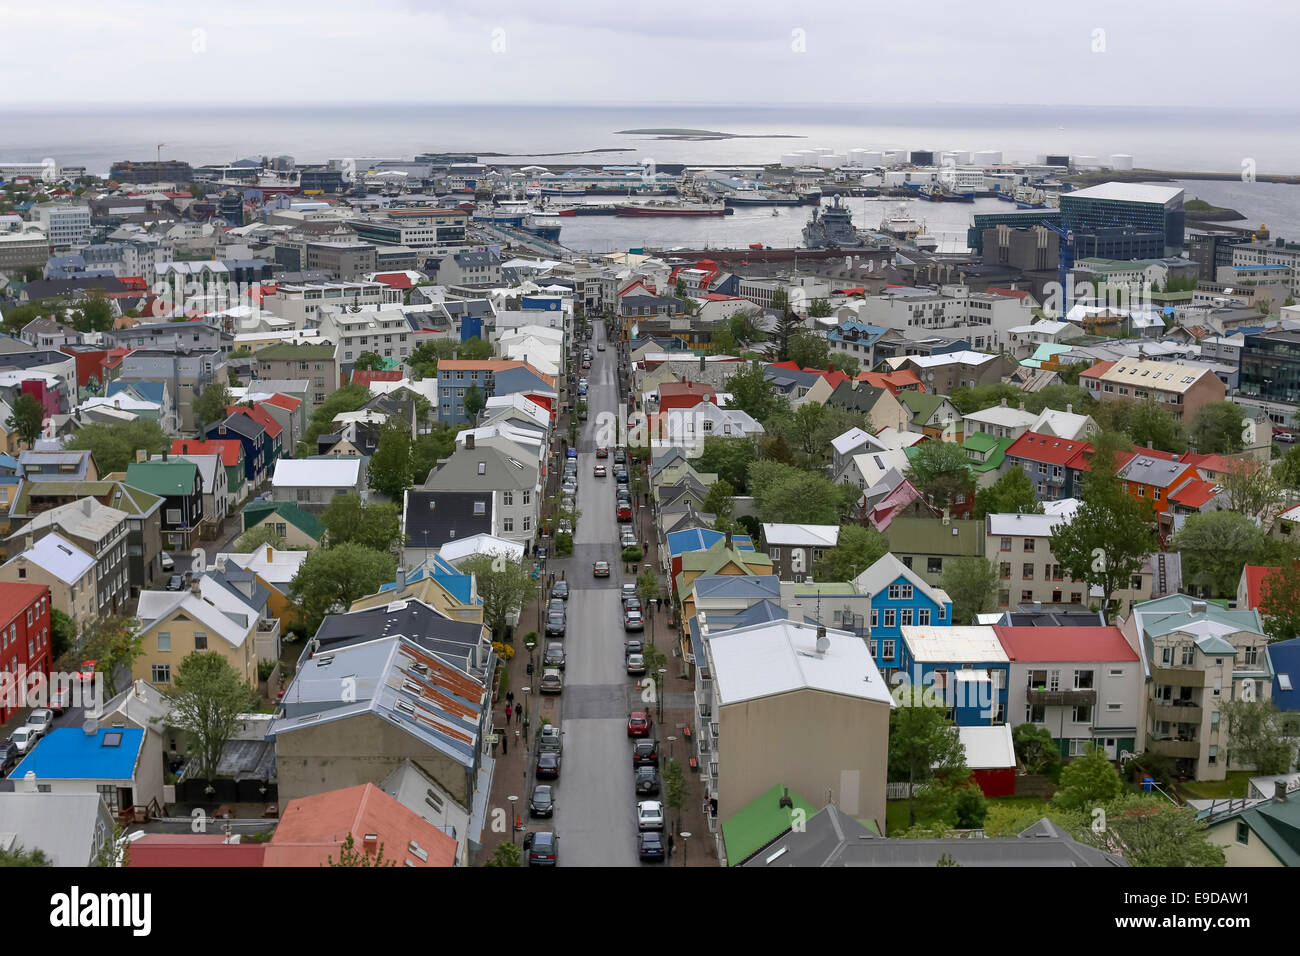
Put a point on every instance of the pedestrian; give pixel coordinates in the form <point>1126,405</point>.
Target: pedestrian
<point>505,744</point>
<point>670,844</point>
<point>519,714</point>
<point>509,710</point>
<point>510,697</point>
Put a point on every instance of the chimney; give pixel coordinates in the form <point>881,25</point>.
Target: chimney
<point>701,364</point>
<point>1022,406</point>
<point>786,803</point>
<point>164,454</point>
<point>1198,607</point>
<point>270,554</point>
<point>29,782</point>
<point>371,842</point>
<point>1279,791</point>
<point>1175,459</point>
<point>28,542</point>
<point>728,539</point>
<point>469,440</point>
<point>1003,403</point>
<point>89,728</point>
<point>185,448</point>
<point>401,579</point>
<point>823,642</point>
<point>87,506</point>
<point>1069,408</point>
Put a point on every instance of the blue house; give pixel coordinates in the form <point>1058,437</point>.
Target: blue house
<point>1285,656</point>
<point>252,435</point>
<point>69,760</point>
<point>966,667</point>
<point>491,377</point>
<point>899,598</point>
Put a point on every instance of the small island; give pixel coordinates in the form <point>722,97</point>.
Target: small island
<point>1202,211</point>
<point>700,135</point>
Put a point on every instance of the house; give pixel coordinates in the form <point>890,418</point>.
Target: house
<point>795,548</point>
<point>156,393</point>
<point>1054,465</point>
<point>991,758</point>
<point>404,704</point>
<point>855,441</point>
<point>1182,389</point>
<point>512,481</point>
<point>96,529</point>
<point>231,453</point>
<point>316,363</point>
<point>240,596</point>
<point>764,820</point>
<point>93,761</point>
<point>492,377</point>
<point>1000,421</point>
<point>70,828</point>
<point>58,466</point>
<point>966,667</point>
<point>719,595</point>
<point>275,569</point>
<point>63,568</point>
<point>1064,424</point>
<point>180,486</point>
<point>932,415</point>
<point>681,543</point>
<point>186,372</point>
<point>212,482</point>
<point>923,544</point>
<point>273,444</point>
<point>312,483</point>
<point>435,582</point>
<point>775,688</point>
<point>1151,480</point>
<point>899,597</point>
<point>1196,654</point>
<point>881,408</point>
<point>1085,685</point>
<point>1258,833</point>
<point>298,528</point>
<point>1284,657</point>
<point>868,469</point>
<point>313,829</point>
<point>689,428</point>
<point>174,624</point>
<point>251,434</point>
<point>26,649</point>
<point>945,372</point>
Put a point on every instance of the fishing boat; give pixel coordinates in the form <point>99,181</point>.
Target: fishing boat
<point>762,197</point>
<point>672,209</point>
<point>831,228</point>
<point>506,212</point>
<point>563,190</point>
<point>899,225</point>
<point>544,225</point>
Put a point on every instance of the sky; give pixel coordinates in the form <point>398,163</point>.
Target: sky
<point>1094,52</point>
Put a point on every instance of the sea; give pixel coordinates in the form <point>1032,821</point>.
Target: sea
<point>1202,140</point>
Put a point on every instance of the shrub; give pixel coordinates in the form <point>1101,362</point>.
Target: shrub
<point>632,555</point>
<point>264,669</point>
<point>564,544</point>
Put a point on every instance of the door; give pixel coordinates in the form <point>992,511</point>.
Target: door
<point>1110,749</point>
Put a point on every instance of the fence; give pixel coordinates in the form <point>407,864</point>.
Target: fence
<point>899,791</point>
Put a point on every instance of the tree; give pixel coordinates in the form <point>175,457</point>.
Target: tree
<point>1110,535</point>
<point>972,584</point>
<point>969,808</point>
<point>330,579</point>
<point>720,500</point>
<point>17,856</point>
<point>974,399</point>
<point>924,746</point>
<point>1035,748</point>
<point>114,644</point>
<point>1279,603</point>
<point>647,585</point>
<point>208,699</point>
<point>349,398</point>
<point>744,326</point>
<point>722,342</point>
<point>729,459</point>
<point>1251,489</point>
<point>788,325</point>
<point>788,495</point>
<point>1153,424</point>
<point>1150,831</point>
<point>808,350</point>
<point>63,631</point>
<point>1215,546</point>
<point>392,469</point>
<point>506,854</point>
<point>350,856</point>
<point>347,519</point>
<point>28,419</point>
<point>427,450</point>
<point>675,788</point>
<point>211,404</point>
<point>503,586</point>
<point>114,446</point>
<point>260,536</point>
<point>753,394</point>
<point>847,364</point>
<point>369,362</point>
<point>95,314</point>
<point>424,358</point>
<point>1013,493</point>
<point>115,850</point>
<point>941,471</point>
<point>1088,781</point>
<point>1257,736</point>
<point>819,309</point>
<point>474,402</point>
<point>856,549</point>
<point>811,428</point>
<point>1219,428</point>
<point>474,349</point>
<point>1287,471</point>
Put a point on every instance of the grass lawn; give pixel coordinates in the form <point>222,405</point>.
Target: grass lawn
<point>1233,786</point>
<point>896,811</point>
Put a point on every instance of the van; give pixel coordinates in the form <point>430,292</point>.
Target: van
<point>552,681</point>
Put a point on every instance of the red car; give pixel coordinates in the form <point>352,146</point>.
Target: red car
<point>87,673</point>
<point>602,452</point>
<point>624,512</point>
<point>639,724</point>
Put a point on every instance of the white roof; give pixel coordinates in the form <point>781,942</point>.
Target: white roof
<point>964,357</point>
<point>778,657</point>
<point>988,748</point>
<point>59,556</point>
<point>1061,424</point>
<point>891,437</point>
<point>853,438</point>
<point>874,465</point>
<point>476,544</point>
<point>1128,192</point>
<point>1004,415</point>
<point>887,570</point>
<point>317,473</point>
<point>810,535</point>
<point>1047,327</point>
<point>279,570</point>
<point>1023,525</point>
<point>940,645</point>
<point>1062,506</point>
<point>156,605</point>
<point>121,402</point>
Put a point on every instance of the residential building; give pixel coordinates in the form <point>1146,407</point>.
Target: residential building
<point>947,371</point>
<point>380,329</point>
<point>317,363</point>
<point>187,374</point>
<point>65,225</point>
<point>59,565</point>
<point>25,643</point>
<point>1183,390</point>
<point>1054,465</point>
<point>180,486</point>
<point>216,493</point>
<point>313,483</point>
<point>492,377</point>
<point>513,481</point>
<point>432,519</point>
<point>230,453</point>
<point>1257,832</point>
<point>795,548</point>
<point>965,666</point>
<point>298,527</point>
<point>108,763</point>
<point>58,466</point>
<point>899,598</point>
<point>71,829</point>
<point>175,624</point>
<point>924,544</point>
<point>98,530</point>
<point>299,302</point>
<point>250,434</point>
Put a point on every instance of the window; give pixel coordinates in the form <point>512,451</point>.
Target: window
<point>887,648</point>
<point>891,617</point>
<point>923,616</point>
<point>1027,572</point>
<point>1189,655</point>
<point>1083,680</point>
<point>164,641</point>
<point>1004,570</point>
<point>507,525</point>
<point>1113,707</point>
<point>875,619</point>
<point>906,619</point>
<point>480,508</point>
<point>200,640</point>
<point>508,498</point>
<point>161,674</point>
<point>1035,713</point>
<point>774,554</point>
<point>173,516</point>
<point>1251,655</point>
<point>1243,834</point>
<point>482,468</point>
<point>1006,544</point>
<point>1029,545</point>
<point>1167,657</point>
<point>1213,757</point>
<point>528,524</point>
<point>934,565</point>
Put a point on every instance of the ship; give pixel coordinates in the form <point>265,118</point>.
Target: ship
<point>831,228</point>
<point>583,209</point>
<point>938,192</point>
<point>563,190</point>
<point>505,212</point>
<point>544,225</point>
<point>906,229</point>
<point>672,209</point>
<point>772,197</point>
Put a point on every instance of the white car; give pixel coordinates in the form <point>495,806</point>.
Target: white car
<point>582,383</point>
<point>649,815</point>
<point>24,739</point>
<point>41,721</point>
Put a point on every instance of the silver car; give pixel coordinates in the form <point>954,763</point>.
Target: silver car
<point>552,681</point>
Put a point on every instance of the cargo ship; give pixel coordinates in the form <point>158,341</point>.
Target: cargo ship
<point>544,225</point>
<point>771,197</point>
<point>673,209</point>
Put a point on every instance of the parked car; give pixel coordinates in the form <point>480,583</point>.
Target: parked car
<point>548,766</point>
<point>542,847</point>
<point>570,487</point>
<point>600,471</point>
<point>636,664</point>
<point>620,455</point>
<point>560,590</point>
<point>175,583</point>
<point>542,802</point>
<point>631,646</point>
<point>639,724</point>
<point>582,391</point>
<point>624,512</point>
<point>168,565</point>
<point>9,756</point>
<point>555,624</point>
<point>552,681</point>
<point>645,752</point>
<point>1287,437</point>
<point>632,621</point>
<point>600,569</point>
<point>556,605</point>
<point>586,364</point>
<point>24,739</point>
<point>87,673</point>
<point>60,698</point>
<point>41,720</point>
<point>554,656</point>
<point>582,382</point>
<point>627,538</point>
<point>602,452</point>
<point>571,453</point>
<point>628,590</point>
<point>549,740</point>
<point>649,815</point>
<point>632,603</point>
<point>650,846</point>
<point>620,475</point>
<point>646,782</point>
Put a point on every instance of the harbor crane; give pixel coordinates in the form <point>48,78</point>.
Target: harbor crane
<point>1064,262</point>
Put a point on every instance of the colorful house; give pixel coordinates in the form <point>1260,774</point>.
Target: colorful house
<point>899,598</point>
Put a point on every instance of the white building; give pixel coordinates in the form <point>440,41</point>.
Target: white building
<point>379,328</point>
<point>66,226</point>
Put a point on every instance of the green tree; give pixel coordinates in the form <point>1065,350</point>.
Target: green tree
<point>845,363</point>
<point>972,583</point>
<point>1279,602</point>
<point>1070,397</point>
<point>969,808</point>
<point>788,495</point>
<point>1257,736</point>
<point>1287,471</point>
<point>788,325</point>
<point>211,404</point>
<point>195,190</point>
<point>1088,781</point>
<point>729,459</point>
<point>811,428</point>
<point>808,350</point>
<point>1035,748</point>
<point>350,856</point>
<point>856,549</point>
<point>751,393</point>
<point>474,402</point>
<point>114,445</point>
<point>349,520</point>
<point>720,500</point>
<point>647,585</point>
<point>1150,831</point>
<point>1215,546</point>
<point>392,469</point>
<point>28,419</point>
<point>349,398</point>
<point>330,579</point>
<point>1251,488</point>
<point>1219,429</point>
<point>369,362</point>
<point>819,309</point>
<point>17,856</point>
<point>1153,425</point>
<point>925,749</point>
<point>63,631</point>
<point>722,342</point>
<point>115,850</point>
<point>744,326</point>
<point>474,349</point>
<point>675,789</point>
<point>941,471</point>
<point>114,644</point>
<point>427,450</point>
<point>208,700</point>
<point>506,854</point>
<point>95,314</point>
<point>1013,493</point>
<point>502,585</point>
<point>974,399</point>
<point>424,358</point>
<point>260,536</point>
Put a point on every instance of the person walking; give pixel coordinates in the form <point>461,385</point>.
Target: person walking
<point>509,711</point>
<point>510,697</point>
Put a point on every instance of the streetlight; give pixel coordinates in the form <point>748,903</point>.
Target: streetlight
<point>513,817</point>
<point>663,673</point>
<point>686,836</point>
<point>530,644</point>
<point>672,756</point>
<point>526,690</point>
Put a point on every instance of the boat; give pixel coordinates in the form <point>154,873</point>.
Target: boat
<point>776,212</point>
<point>762,197</point>
<point>905,228</point>
<point>672,209</point>
<point>508,212</point>
<point>544,225</point>
<point>831,228</point>
<point>563,190</point>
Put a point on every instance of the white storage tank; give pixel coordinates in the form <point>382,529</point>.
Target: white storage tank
<point>894,157</point>
<point>791,159</point>
<point>1121,161</point>
<point>1084,162</point>
<point>830,161</point>
<point>960,157</point>
<point>822,150</point>
<point>857,156</point>
<point>987,157</point>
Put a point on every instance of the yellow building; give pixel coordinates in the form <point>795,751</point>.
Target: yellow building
<point>175,624</point>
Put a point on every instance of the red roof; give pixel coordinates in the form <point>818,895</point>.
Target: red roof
<point>1012,293</point>
<point>258,292</point>
<point>134,282</point>
<point>228,448</point>
<point>1064,643</point>
<point>678,395</point>
<point>193,849</point>
<point>1098,370</point>
<point>1195,493</point>
<point>259,415</point>
<point>856,290</point>
<point>17,597</point>
<point>284,401</point>
<point>1256,575</point>
<point>366,376</point>
<point>1036,446</point>
<point>893,382</point>
<point>394,280</point>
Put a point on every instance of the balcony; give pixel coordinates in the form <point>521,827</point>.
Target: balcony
<point>1041,697</point>
<point>1178,676</point>
<point>704,704</point>
<point>1175,747</point>
<point>1176,712</point>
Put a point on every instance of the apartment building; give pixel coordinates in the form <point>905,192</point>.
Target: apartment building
<point>316,363</point>
<point>417,228</point>
<point>984,318</point>
<point>298,303</point>
<point>66,226</point>
<point>381,329</point>
<point>1276,253</point>
<point>1182,389</point>
<point>186,372</point>
<point>99,531</point>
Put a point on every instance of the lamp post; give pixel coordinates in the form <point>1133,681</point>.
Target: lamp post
<point>686,837</point>
<point>513,817</point>
<point>525,725</point>
<point>659,692</point>
<point>530,644</point>
<point>672,755</point>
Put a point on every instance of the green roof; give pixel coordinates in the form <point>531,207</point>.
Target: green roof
<point>1278,827</point>
<point>163,477</point>
<point>913,535</point>
<point>255,512</point>
<point>753,827</point>
<point>134,501</point>
<point>980,442</point>
<point>299,353</point>
<point>996,449</point>
<point>921,404</point>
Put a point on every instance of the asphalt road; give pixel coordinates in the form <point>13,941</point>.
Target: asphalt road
<point>595,805</point>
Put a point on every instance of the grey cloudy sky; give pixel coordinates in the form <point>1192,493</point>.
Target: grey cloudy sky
<point>1097,52</point>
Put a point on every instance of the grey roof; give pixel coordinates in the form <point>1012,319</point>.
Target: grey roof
<point>1055,616</point>
<point>435,517</point>
<point>457,641</point>
<point>1152,471</point>
<point>832,838</point>
<point>63,825</point>
<point>461,472</point>
<point>756,586</point>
